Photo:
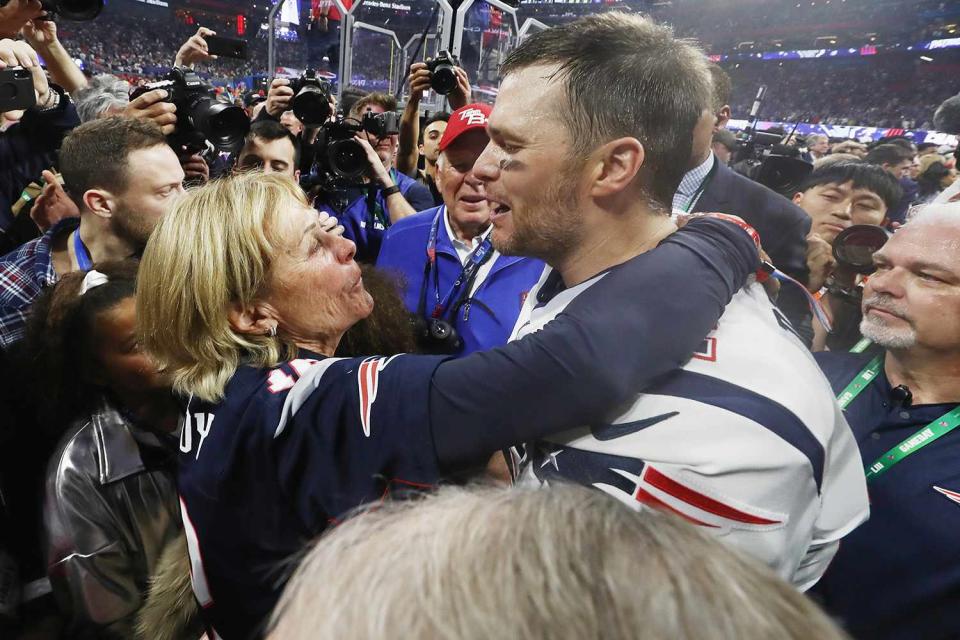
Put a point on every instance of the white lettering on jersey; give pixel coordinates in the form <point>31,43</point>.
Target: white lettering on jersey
<point>203,421</point>
<point>368,378</point>
<point>203,428</point>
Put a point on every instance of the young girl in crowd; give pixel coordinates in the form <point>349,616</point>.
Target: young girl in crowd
<point>111,504</point>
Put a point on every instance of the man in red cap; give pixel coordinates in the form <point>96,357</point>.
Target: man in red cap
<point>465,294</point>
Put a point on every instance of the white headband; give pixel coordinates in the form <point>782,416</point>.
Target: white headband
<point>92,280</point>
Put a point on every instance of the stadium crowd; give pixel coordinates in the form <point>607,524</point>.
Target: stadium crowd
<point>577,364</point>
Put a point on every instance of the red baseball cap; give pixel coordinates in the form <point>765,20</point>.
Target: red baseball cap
<point>473,116</point>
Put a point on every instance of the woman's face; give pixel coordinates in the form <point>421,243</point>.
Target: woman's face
<point>123,367</point>
<point>314,286</point>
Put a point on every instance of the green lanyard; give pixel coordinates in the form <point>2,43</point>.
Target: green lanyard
<point>702,187</point>
<point>939,427</point>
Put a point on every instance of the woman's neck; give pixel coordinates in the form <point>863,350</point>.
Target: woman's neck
<point>322,346</point>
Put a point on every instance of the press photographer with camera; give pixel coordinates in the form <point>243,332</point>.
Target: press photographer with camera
<point>465,295</point>
<point>447,78</point>
<point>378,195</point>
<point>28,146</point>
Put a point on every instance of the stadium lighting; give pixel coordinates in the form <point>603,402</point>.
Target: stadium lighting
<point>926,58</point>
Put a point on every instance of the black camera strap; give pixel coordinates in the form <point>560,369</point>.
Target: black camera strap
<point>464,282</point>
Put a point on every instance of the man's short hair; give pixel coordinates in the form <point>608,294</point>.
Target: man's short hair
<point>625,76</point>
<point>270,130</point>
<point>923,146</point>
<point>726,138</point>
<point>863,176</point>
<point>814,137</point>
<point>95,154</point>
<point>568,562</point>
<point>892,154</point>
<point>440,116</point>
<point>722,86</point>
<point>384,100</point>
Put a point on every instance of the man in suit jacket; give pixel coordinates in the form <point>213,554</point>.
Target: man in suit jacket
<point>710,185</point>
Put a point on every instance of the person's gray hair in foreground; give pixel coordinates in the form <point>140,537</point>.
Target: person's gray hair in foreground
<point>568,562</point>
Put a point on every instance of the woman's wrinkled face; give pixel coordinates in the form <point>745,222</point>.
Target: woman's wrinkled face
<point>124,367</point>
<point>314,285</point>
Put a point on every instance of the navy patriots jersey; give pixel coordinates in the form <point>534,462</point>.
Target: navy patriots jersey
<point>300,445</point>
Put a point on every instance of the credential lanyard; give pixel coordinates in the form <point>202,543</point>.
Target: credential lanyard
<point>939,427</point>
<point>475,260</point>
<point>83,256</point>
<point>703,186</point>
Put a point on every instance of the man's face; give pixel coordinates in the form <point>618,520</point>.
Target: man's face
<point>431,140</point>
<point>834,207</point>
<point>914,168</point>
<point>528,170</point>
<point>149,194</point>
<point>386,148</point>
<point>462,191</point>
<point>899,170</point>
<point>820,146</point>
<point>270,156</point>
<point>913,299</point>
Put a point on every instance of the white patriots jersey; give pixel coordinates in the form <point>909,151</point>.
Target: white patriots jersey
<point>745,440</point>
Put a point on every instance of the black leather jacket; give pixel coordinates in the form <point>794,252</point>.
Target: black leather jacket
<point>111,506</point>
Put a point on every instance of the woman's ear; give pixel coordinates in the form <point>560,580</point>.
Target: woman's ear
<point>258,318</point>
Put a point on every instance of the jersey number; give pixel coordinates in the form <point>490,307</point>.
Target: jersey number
<point>280,380</point>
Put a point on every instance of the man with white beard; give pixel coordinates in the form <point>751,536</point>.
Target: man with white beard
<point>898,575</point>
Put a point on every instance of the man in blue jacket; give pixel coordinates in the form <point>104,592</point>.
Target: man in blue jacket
<point>449,269</point>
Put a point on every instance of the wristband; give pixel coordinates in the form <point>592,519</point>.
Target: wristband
<point>389,191</point>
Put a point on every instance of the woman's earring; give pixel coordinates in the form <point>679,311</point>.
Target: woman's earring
<point>272,331</point>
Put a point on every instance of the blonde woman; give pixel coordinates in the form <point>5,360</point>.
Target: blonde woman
<point>243,295</point>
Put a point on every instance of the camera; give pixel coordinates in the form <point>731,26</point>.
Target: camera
<point>16,90</point>
<point>443,79</point>
<point>311,99</point>
<point>71,9</point>
<point>339,155</point>
<point>763,159</point>
<point>200,115</point>
<point>854,246</point>
<point>436,337</point>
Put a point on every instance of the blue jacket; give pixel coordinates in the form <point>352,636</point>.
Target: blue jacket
<point>488,321</point>
<point>364,227</point>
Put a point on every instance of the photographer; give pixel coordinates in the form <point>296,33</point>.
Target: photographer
<point>453,276</point>
<point>421,79</point>
<point>28,147</point>
<point>837,197</point>
<point>386,195</point>
<point>270,148</point>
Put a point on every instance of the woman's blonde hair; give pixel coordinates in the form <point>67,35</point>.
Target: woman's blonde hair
<point>214,248</point>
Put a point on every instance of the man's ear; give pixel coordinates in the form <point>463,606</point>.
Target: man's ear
<point>255,319</point>
<point>296,176</point>
<point>798,198</point>
<point>723,117</point>
<point>100,202</point>
<point>616,165</point>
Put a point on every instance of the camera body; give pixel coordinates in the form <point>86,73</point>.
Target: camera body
<point>436,337</point>
<point>443,79</point>
<point>16,90</point>
<point>311,98</point>
<point>762,158</point>
<point>200,115</point>
<point>341,158</point>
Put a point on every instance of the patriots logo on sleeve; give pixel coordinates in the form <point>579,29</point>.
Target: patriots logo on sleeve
<point>368,379</point>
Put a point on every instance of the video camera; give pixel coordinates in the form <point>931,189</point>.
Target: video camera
<point>762,158</point>
<point>311,99</point>
<point>201,116</point>
<point>443,78</point>
<point>70,9</point>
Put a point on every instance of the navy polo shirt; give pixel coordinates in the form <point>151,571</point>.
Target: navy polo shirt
<point>488,319</point>
<point>365,225</point>
<point>898,575</point>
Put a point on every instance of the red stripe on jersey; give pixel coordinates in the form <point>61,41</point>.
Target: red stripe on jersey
<point>363,375</point>
<point>669,486</point>
<point>647,498</point>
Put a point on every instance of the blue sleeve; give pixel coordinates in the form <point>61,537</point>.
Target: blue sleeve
<point>419,197</point>
<point>353,432</point>
<point>641,321</point>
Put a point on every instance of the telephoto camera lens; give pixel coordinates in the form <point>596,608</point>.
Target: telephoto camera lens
<point>443,80</point>
<point>311,102</point>
<point>855,246</point>
<point>347,158</point>
<point>224,125</point>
